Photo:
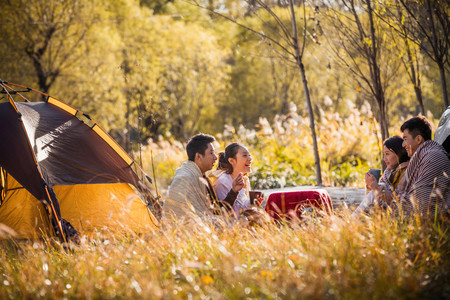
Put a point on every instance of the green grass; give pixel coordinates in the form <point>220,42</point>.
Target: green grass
<point>336,257</point>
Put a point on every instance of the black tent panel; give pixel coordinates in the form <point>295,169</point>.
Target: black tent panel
<point>16,156</point>
<point>68,151</point>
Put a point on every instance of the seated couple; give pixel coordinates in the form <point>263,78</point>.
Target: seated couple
<point>417,178</point>
<point>193,194</point>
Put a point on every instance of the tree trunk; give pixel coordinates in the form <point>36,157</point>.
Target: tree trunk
<point>44,86</point>
<point>127,91</point>
<point>298,59</point>
<point>376,76</point>
<point>443,85</point>
<point>415,78</point>
<point>311,123</point>
<point>128,126</point>
<point>438,57</point>
<point>383,120</point>
<point>419,98</point>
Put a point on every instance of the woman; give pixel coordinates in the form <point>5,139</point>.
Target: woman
<point>234,165</point>
<point>393,180</point>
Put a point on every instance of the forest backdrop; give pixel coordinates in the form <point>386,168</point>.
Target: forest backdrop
<point>153,73</point>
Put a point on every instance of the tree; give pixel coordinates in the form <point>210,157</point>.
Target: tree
<point>131,24</point>
<point>286,39</point>
<point>411,63</point>
<point>428,25</point>
<point>178,73</point>
<point>261,86</point>
<point>358,36</point>
<point>49,33</point>
<point>392,13</point>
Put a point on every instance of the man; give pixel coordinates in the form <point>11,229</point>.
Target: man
<point>191,193</point>
<point>428,173</point>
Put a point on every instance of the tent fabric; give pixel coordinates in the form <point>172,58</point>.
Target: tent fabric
<point>88,207</point>
<point>17,157</point>
<point>68,151</point>
<point>15,153</point>
<point>114,206</point>
<point>22,212</point>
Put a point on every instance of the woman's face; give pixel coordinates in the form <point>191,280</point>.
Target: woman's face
<point>242,162</point>
<point>390,158</point>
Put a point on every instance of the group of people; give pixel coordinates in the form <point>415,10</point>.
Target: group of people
<point>417,175</point>
<point>416,179</point>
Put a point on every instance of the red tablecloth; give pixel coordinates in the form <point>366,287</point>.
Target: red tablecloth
<point>285,204</point>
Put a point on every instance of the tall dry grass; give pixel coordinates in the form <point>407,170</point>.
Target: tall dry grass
<point>378,257</point>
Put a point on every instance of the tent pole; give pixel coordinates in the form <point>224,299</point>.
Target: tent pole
<point>56,217</point>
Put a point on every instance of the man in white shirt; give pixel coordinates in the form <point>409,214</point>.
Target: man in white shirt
<point>190,193</point>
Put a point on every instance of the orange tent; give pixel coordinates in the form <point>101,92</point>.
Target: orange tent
<point>58,166</point>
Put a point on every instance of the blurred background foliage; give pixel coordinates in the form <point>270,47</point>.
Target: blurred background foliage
<point>155,72</point>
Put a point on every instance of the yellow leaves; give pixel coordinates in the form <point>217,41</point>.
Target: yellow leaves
<point>267,274</point>
<point>294,258</point>
<point>207,280</point>
<point>367,41</point>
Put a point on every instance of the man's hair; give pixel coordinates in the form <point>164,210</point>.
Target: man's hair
<point>418,125</point>
<point>198,144</point>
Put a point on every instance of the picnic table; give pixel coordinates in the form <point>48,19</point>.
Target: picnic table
<point>290,201</point>
<point>338,195</point>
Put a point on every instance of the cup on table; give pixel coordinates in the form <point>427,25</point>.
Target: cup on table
<point>255,197</point>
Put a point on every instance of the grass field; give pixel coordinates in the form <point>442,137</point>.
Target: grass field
<point>335,257</point>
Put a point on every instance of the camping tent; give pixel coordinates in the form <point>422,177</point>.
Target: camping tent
<point>56,164</point>
<point>442,133</point>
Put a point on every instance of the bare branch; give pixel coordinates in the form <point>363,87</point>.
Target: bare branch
<point>262,35</point>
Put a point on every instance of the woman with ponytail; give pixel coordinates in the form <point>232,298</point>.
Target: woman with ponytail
<point>234,163</point>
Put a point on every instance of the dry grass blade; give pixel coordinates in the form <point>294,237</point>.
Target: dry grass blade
<point>326,257</point>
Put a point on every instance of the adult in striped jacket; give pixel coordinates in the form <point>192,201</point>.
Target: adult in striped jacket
<point>427,189</point>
